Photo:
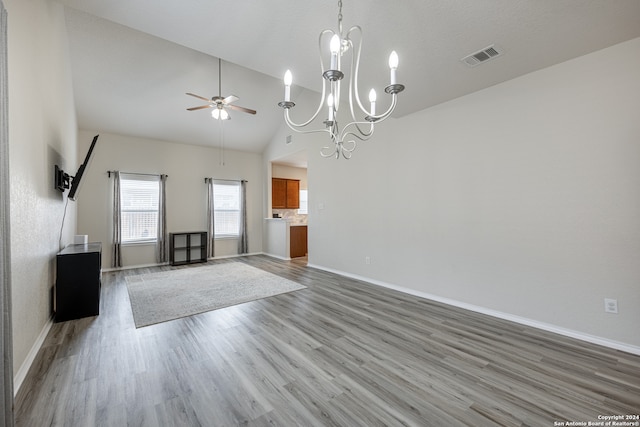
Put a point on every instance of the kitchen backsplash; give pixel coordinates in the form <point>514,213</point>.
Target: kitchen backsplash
<point>292,215</point>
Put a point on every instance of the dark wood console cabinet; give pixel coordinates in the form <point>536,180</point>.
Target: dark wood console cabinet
<point>77,288</point>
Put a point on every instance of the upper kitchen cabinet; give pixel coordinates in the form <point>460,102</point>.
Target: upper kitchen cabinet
<point>293,194</point>
<point>278,193</point>
<point>285,193</point>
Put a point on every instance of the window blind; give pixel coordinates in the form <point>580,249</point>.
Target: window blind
<point>226,202</point>
<point>139,195</point>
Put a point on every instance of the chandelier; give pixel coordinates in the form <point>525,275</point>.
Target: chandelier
<point>343,139</point>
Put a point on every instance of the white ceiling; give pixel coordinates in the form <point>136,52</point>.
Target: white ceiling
<point>133,61</point>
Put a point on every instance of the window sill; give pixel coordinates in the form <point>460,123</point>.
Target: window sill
<point>226,237</point>
<point>140,243</point>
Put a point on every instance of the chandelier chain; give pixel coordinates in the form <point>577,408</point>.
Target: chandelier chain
<point>340,17</point>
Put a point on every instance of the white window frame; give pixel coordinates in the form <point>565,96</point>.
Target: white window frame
<point>148,187</point>
<point>223,205</point>
<point>304,202</point>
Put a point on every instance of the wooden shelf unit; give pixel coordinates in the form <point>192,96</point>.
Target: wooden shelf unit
<point>187,248</point>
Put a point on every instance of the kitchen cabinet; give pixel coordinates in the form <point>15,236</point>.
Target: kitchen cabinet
<point>285,193</point>
<point>278,193</point>
<point>298,244</point>
<point>293,194</point>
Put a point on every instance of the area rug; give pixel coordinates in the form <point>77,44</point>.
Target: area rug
<point>169,295</point>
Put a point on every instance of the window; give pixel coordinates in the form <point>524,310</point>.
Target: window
<point>139,195</point>
<point>226,202</point>
<point>303,203</point>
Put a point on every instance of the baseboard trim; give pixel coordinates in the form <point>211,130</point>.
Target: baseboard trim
<point>235,256</point>
<point>131,267</point>
<point>277,256</point>
<point>20,376</point>
<point>605,342</point>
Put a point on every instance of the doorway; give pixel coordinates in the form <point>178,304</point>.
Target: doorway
<point>290,174</point>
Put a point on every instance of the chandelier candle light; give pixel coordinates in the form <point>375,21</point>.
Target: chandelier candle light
<point>344,140</point>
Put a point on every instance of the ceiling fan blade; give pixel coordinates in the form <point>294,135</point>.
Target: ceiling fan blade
<point>200,107</point>
<point>229,99</point>
<point>245,110</point>
<point>198,96</point>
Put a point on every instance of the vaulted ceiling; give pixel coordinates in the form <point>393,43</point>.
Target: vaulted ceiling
<point>133,61</point>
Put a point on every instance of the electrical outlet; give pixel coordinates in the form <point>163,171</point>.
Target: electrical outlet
<point>367,260</point>
<point>611,305</point>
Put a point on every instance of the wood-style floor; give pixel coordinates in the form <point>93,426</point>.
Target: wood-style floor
<point>339,353</point>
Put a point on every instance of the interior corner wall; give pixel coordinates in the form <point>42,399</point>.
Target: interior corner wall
<point>42,133</point>
<point>186,192</point>
<point>520,199</point>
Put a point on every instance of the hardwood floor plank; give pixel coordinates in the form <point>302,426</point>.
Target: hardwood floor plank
<point>341,352</point>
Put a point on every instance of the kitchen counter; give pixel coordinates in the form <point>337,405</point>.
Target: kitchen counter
<point>291,222</point>
<point>278,237</point>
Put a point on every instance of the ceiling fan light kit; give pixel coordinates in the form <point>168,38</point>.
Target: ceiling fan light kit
<point>220,114</point>
<point>343,139</point>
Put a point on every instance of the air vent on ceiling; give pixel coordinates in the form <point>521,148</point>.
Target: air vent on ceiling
<point>483,55</point>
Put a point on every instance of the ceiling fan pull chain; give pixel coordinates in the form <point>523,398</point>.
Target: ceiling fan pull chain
<point>219,77</point>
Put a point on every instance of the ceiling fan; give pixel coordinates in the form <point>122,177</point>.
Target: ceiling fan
<point>219,102</point>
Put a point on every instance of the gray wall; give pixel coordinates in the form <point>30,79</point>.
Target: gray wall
<point>187,166</point>
<point>520,200</point>
<point>42,133</point>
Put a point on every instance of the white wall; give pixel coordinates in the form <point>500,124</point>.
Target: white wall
<point>187,166</point>
<point>521,199</point>
<point>42,132</point>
